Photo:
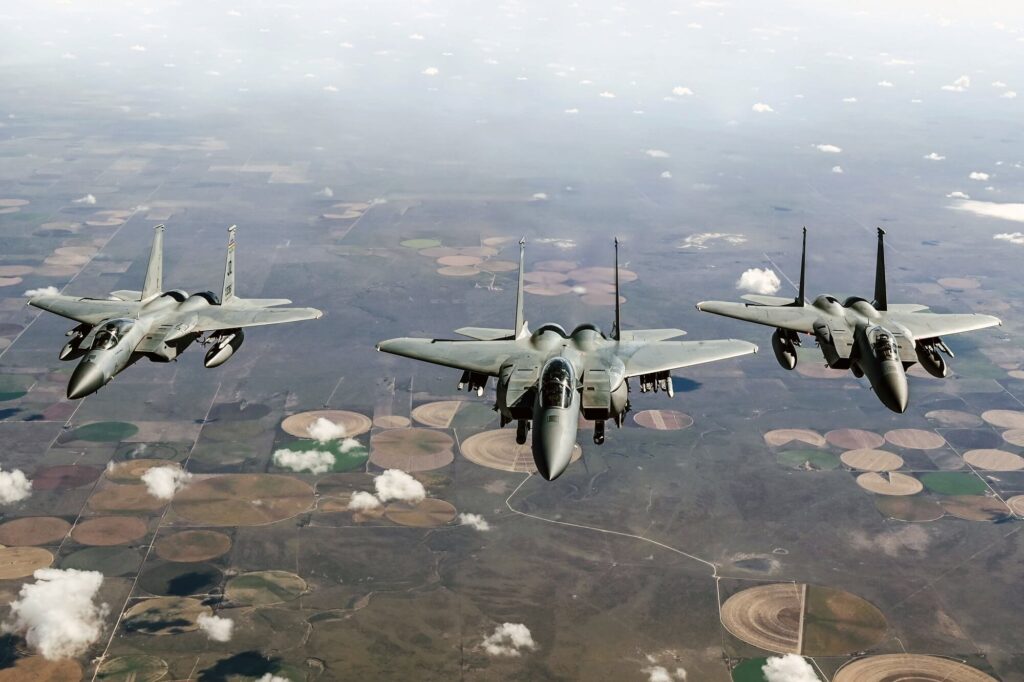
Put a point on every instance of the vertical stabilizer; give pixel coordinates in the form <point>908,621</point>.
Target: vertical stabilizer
<point>228,292</point>
<point>154,285</point>
<point>801,297</point>
<point>520,328</point>
<point>617,329</point>
<point>881,298</point>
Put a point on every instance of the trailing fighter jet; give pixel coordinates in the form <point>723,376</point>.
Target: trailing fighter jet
<point>877,339</point>
<point>116,332</point>
<point>547,378</point>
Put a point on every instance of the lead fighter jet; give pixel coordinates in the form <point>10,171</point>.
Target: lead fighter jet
<point>547,378</point>
<point>877,339</point>
<point>116,332</point>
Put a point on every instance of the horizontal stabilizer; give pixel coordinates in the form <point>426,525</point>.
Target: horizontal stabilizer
<point>126,295</point>
<point>485,333</point>
<point>767,300</point>
<point>651,335</point>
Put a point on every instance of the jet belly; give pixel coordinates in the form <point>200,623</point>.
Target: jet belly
<point>554,436</point>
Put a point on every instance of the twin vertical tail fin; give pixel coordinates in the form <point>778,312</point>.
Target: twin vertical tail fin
<point>520,328</point>
<point>617,329</point>
<point>881,298</point>
<point>155,270</point>
<point>228,292</point>
<point>801,296</point>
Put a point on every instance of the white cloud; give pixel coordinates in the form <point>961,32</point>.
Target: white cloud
<point>681,91</point>
<point>659,673</point>
<point>268,677</point>
<point>330,88</point>
<point>539,196</point>
<point>508,639</point>
<point>313,461</point>
<point>475,520</point>
<point>657,153</point>
<point>1012,237</point>
<point>137,48</point>
<point>849,100</point>
<point>216,628</point>
<point>607,95</point>
<point>788,668</point>
<point>163,481</point>
<point>1009,94</point>
<point>978,175</point>
<point>395,484</point>
<point>416,36</point>
<point>700,240</point>
<point>14,486</point>
<point>957,194</point>
<point>667,175</point>
<point>349,444</point>
<point>87,199</point>
<point>758,281</point>
<point>828,148</point>
<point>959,85</point>
<point>431,71</point>
<point>934,156</point>
<point>992,209</point>
<point>762,108</point>
<point>574,110</point>
<point>42,291</point>
<point>57,614</point>
<point>694,25</point>
<point>324,430</point>
<point>885,84</point>
<point>363,501</point>
<point>327,193</point>
<point>837,170</point>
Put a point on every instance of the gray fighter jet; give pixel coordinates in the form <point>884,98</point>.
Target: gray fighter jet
<point>877,339</point>
<point>116,332</point>
<point>547,378</point>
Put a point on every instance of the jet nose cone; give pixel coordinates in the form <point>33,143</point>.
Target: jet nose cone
<point>87,378</point>
<point>552,449</point>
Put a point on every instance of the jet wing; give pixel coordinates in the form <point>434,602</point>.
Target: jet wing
<point>222,317</point>
<point>486,333</point>
<point>650,334</point>
<point>88,310</point>
<point>930,325</point>
<point>795,318</point>
<point>484,357</point>
<point>661,356</point>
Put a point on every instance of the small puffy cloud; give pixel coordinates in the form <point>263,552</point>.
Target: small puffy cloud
<point>758,281</point>
<point>137,48</point>
<point>934,156</point>
<point>957,194</point>
<point>694,25</point>
<point>998,84</point>
<point>313,461</point>
<point>762,108</point>
<point>607,94</point>
<point>327,193</point>
<point>330,88</point>
<point>681,91</point>
<point>268,677</point>
<point>42,291</point>
<point>659,673</point>
<point>349,444</point>
<point>667,175</point>
<point>1009,94</point>
<point>539,196</point>
<point>395,484</point>
<point>476,521</point>
<point>885,84</point>
<point>574,110</point>
<point>88,199</point>
<point>57,614</point>
<point>509,639</point>
<point>828,148</point>
<point>217,628</point>
<point>14,486</point>
<point>430,71</point>
<point>788,668</point>
<point>701,239</point>
<point>959,85</point>
<point>324,430</point>
<point>991,209</point>
<point>164,481</point>
<point>838,170</point>
<point>416,36</point>
<point>1012,237</point>
<point>849,100</point>
<point>363,501</point>
<point>657,153</point>
<point>978,175</point>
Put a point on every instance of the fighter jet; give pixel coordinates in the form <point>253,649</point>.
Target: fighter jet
<point>117,332</point>
<point>547,378</point>
<point>876,339</point>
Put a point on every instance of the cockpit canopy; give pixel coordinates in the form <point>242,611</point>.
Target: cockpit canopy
<point>883,343</point>
<point>111,333</point>
<point>557,382</point>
